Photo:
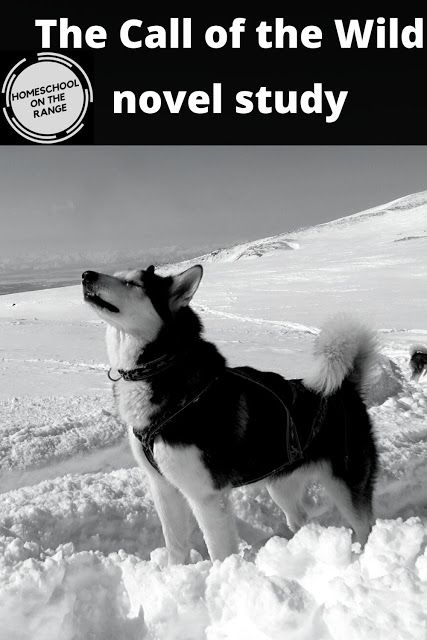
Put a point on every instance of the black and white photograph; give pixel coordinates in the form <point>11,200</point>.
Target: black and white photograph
<point>213,392</point>
<point>213,325</point>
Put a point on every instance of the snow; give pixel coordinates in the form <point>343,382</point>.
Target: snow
<point>255,249</point>
<point>81,546</point>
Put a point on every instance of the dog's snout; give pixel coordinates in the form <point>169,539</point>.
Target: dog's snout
<point>89,276</point>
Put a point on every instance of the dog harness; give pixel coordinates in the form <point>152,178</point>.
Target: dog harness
<point>273,443</point>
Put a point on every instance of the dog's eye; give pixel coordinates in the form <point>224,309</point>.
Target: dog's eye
<point>129,283</point>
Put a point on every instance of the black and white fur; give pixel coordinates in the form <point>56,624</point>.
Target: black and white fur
<point>149,316</point>
<point>418,362</point>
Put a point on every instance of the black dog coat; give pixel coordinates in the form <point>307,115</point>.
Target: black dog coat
<point>248,425</point>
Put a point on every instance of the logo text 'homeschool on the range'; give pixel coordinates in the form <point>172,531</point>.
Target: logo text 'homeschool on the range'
<point>46,98</point>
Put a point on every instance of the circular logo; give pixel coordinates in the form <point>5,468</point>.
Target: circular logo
<point>46,98</point>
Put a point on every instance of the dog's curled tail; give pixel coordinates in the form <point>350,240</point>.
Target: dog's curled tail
<point>344,349</point>
<point>417,348</point>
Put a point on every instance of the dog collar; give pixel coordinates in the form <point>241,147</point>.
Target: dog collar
<point>145,371</point>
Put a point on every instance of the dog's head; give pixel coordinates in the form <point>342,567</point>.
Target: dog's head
<point>140,302</point>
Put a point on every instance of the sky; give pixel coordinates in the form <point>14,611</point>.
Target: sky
<point>65,200</point>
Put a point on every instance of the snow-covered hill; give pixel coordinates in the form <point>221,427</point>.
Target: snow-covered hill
<point>80,542</point>
<point>255,249</point>
<point>390,227</point>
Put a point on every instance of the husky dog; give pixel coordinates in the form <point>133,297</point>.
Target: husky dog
<point>418,362</point>
<point>199,428</point>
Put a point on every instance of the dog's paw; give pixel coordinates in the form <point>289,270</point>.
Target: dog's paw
<point>296,520</point>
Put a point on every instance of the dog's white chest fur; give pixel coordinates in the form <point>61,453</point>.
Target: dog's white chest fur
<point>134,404</point>
<point>133,398</point>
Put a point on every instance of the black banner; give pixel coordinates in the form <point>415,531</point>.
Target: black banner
<point>290,80</point>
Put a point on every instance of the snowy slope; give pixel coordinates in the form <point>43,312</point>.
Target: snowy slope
<point>80,542</point>
<point>416,204</point>
<point>254,249</point>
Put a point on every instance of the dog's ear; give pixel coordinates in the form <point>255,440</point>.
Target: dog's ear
<point>150,271</point>
<point>184,286</point>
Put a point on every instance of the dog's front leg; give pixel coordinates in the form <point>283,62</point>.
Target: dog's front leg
<point>175,517</point>
<point>216,520</point>
<point>184,468</point>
